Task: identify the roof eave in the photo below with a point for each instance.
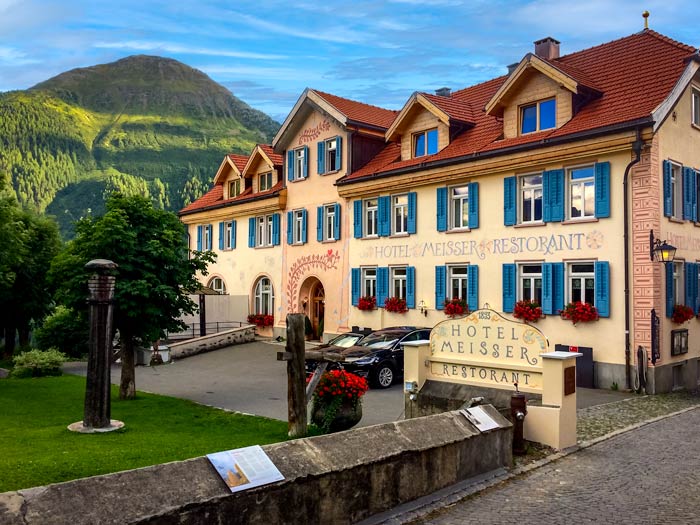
(229, 203)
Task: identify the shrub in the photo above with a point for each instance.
(65, 330)
(37, 363)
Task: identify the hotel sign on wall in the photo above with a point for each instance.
(486, 349)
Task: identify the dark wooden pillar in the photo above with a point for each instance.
(202, 315)
(296, 376)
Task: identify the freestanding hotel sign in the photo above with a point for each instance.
(486, 349)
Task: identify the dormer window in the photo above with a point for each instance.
(425, 143)
(234, 188)
(265, 181)
(538, 116)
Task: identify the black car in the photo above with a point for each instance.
(337, 345)
(379, 356)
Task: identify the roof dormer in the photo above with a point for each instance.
(427, 123)
(540, 93)
(263, 168)
(230, 175)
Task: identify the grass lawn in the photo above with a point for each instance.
(38, 449)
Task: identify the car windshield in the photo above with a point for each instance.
(380, 340)
(345, 340)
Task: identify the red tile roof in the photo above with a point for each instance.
(276, 158)
(214, 198)
(359, 111)
(635, 74)
(455, 109)
(238, 160)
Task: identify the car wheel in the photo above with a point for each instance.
(383, 377)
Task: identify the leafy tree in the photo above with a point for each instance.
(153, 279)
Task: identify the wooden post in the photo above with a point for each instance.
(296, 376)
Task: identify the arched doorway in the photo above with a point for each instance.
(313, 300)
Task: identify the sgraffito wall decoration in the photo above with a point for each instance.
(300, 269)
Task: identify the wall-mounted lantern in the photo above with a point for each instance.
(660, 251)
(423, 308)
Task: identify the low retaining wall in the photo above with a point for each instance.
(339, 478)
(235, 336)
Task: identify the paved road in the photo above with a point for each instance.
(248, 378)
(647, 476)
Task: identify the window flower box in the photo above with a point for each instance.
(368, 302)
(682, 313)
(455, 306)
(394, 304)
(528, 311)
(261, 320)
(579, 312)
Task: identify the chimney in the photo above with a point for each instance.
(547, 48)
(443, 92)
(512, 67)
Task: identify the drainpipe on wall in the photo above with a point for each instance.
(637, 147)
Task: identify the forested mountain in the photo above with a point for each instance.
(146, 125)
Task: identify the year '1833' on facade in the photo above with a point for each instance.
(526, 187)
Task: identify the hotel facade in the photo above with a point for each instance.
(542, 185)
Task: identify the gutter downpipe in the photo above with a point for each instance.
(637, 147)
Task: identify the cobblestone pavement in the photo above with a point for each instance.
(648, 475)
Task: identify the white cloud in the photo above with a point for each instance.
(11, 56)
(144, 45)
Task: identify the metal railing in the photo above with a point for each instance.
(194, 330)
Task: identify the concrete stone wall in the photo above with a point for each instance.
(339, 478)
(206, 343)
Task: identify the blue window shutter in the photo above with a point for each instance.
(384, 206)
(556, 193)
(442, 209)
(290, 225)
(303, 226)
(510, 189)
(336, 227)
(251, 232)
(558, 284)
(695, 305)
(319, 224)
(602, 189)
(412, 212)
(509, 286)
(305, 171)
(321, 158)
(473, 287)
(338, 152)
(689, 288)
(221, 236)
(687, 199)
(696, 209)
(382, 285)
(355, 277)
(357, 218)
(546, 199)
(200, 234)
(547, 293)
(411, 287)
(473, 205)
(440, 287)
(602, 288)
(670, 299)
(234, 225)
(668, 195)
(210, 236)
(276, 229)
(290, 165)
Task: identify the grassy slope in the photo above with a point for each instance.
(37, 449)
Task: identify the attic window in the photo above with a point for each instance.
(425, 143)
(538, 116)
(234, 188)
(695, 96)
(265, 181)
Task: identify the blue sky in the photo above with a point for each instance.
(267, 52)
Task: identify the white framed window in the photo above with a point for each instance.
(371, 217)
(234, 188)
(695, 106)
(538, 116)
(530, 282)
(581, 282)
(425, 143)
(228, 230)
(398, 282)
(264, 297)
(676, 191)
(299, 163)
(459, 206)
(678, 282)
(581, 192)
(207, 237)
(530, 190)
(329, 222)
(218, 285)
(264, 231)
(457, 282)
(297, 226)
(331, 159)
(399, 214)
(369, 282)
(265, 181)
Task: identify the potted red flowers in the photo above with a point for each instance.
(578, 312)
(682, 313)
(455, 306)
(337, 403)
(368, 302)
(528, 311)
(394, 304)
(261, 320)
